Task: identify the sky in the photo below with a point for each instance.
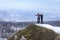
(25, 10)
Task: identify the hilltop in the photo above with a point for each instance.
(33, 32)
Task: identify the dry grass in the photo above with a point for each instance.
(33, 32)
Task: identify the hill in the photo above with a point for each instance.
(33, 32)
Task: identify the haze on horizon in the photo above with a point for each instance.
(25, 10)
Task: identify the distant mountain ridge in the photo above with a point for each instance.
(53, 23)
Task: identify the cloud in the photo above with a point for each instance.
(21, 6)
(26, 9)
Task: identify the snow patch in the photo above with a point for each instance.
(54, 28)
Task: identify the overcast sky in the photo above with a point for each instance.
(25, 10)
